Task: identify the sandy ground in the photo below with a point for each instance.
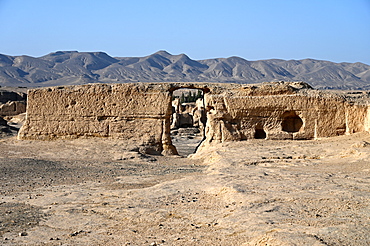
(257, 192)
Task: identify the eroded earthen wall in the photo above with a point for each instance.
(140, 113)
(12, 108)
(239, 114)
(136, 112)
(125, 111)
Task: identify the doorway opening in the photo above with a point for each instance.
(188, 120)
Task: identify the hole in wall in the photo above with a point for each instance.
(341, 130)
(188, 120)
(101, 118)
(260, 134)
(291, 122)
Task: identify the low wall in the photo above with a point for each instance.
(12, 103)
(140, 113)
(12, 108)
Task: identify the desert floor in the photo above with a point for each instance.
(255, 192)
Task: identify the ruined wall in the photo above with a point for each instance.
(12, 103)
(134, 112)
(140, 113)
(275, 111)
(12, 108)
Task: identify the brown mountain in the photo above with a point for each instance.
(72, 67)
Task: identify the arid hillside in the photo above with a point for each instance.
(72, 67)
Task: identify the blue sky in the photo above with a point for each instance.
(334, 30)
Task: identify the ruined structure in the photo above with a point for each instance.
(12, 103)
(140, 113)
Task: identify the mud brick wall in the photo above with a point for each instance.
(141, 112)
(133, 112)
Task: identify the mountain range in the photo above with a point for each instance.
(73, 67)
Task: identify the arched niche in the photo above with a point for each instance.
(259, 133)
(291, 122)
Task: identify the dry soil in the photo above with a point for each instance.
(256, 192)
